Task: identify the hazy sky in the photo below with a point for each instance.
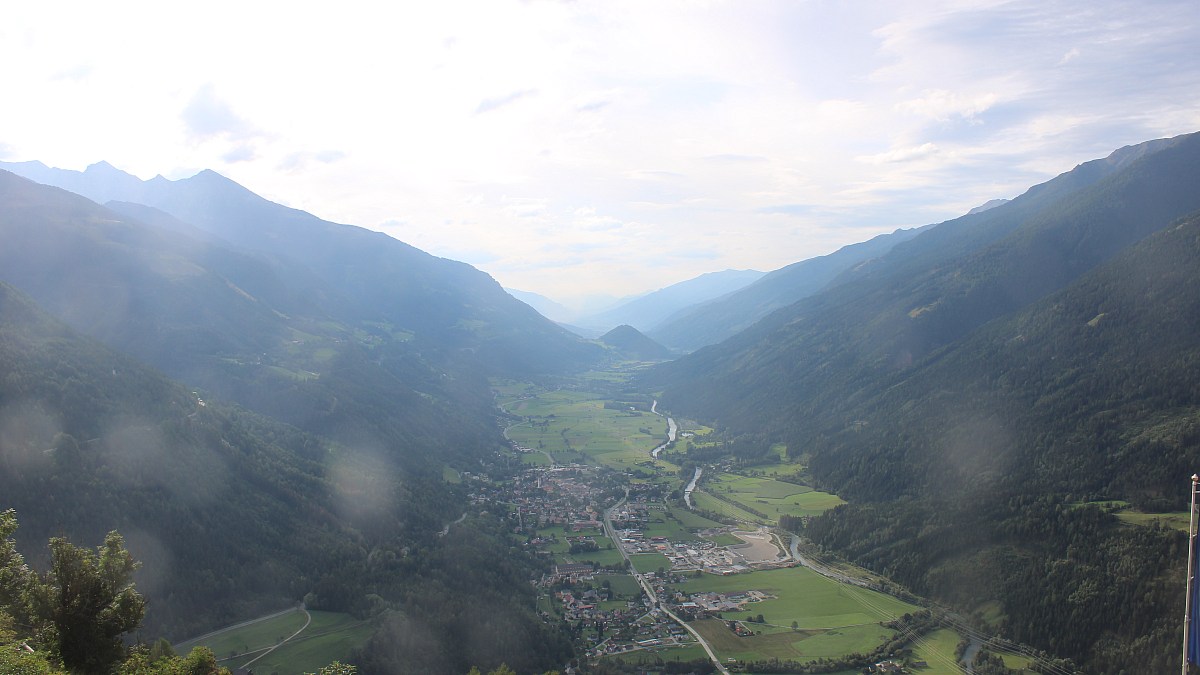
(572, 147)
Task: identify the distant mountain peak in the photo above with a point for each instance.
(631, 343)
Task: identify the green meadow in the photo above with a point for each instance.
(765, 495)
(831, 619)
(329, 636)
(570, 424)
(1177, 521)
(649, 562)
(799, 645)
(803, 596)
(937, 650)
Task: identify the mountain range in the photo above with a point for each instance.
(647, 311)
(705, 323)
(365, 364)
(969, 390)
(266, 403)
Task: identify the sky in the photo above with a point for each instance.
(607, 147)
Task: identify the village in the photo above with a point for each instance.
(589, 582)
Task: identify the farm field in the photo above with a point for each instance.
(623, 585)
(769, 496)
(649, 562)
(803, 596)
(794, 645)
(601, 557)
(571, 424)
(329, 636)
(831, 619)
(707, 502)
(937, 649)
(255, 635)
(692, 520)
(1176, 521)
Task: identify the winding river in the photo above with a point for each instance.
(687, 492)
(672, 430)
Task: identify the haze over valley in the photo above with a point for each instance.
(582, 338)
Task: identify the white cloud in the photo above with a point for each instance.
(490, 104)
(1071, 55)
(908, 154)
(207, 115)
(573, 146)
(942, 105)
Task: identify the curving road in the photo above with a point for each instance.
(307, 621)
(649, 590)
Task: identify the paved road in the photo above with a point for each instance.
(612, 534)
(307, 621)
(446, 530)
(517, 424)
(821, 569)
(236, 626)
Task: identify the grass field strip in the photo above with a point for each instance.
(307, 622)
(966, 630)
(192, 642)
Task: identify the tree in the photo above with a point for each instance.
(338, 668)
(14, 574)
(200, 661)
(86, 602)
(14, 659)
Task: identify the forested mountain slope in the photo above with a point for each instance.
(630, 343)
(241, 327)
(91, 440)
(791, 368)
(970, 390)
(1091, 394)
(444, 304)
(711, 322)
(648, 311)
(233, 514)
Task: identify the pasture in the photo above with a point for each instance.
(831, 619)
(331, 636)
(570, 424)
(765, 495)
(798, 645)
(328, 637)
(803, 596)
(937, 649)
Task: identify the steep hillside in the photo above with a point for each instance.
(972, 389)
(630, 343)
(1089, 395)
(240, 327)
(234, 515)
(707, 323)
(793, 366)
(648, 311)
(545, 306)
(444, 304)
(91, 440)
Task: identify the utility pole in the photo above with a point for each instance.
(1191, 579)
